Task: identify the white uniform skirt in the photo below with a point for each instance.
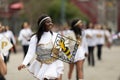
(49, 71)
(80, 54)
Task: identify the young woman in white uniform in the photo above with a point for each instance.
(12, 38)
(44, 67)
(24, 36)
(9, 35)
(82, 49)
(3, 67)
(90, 37)
(4, 34)
(100, 40)
(1, 36)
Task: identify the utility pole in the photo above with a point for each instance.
(63, 11)
(6, 11)
(101, 11)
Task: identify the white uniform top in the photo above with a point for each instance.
(10, 36)
(49, 71)
(46, 38)
(100, 37)
(90, 37)
(24, 36)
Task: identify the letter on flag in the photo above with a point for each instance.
(5, 45)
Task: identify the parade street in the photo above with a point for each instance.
(106, 69)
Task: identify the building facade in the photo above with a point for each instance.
(106, 12)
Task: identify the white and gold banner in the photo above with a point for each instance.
(65, 48)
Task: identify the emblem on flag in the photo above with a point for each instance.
(5, 45)
(65, 48)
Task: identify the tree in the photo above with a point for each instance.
(32, 10)
(71, 11)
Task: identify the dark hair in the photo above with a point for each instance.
(75, 28)
(22, 26)
(41, 27)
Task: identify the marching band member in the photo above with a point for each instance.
(12, 38)
(100, 39)
(44, 67)
(4, 36)
(24, 36)
(90, 37)
(3, 67)
(76, 27)
(9, 35)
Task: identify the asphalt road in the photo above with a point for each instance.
(106, 69)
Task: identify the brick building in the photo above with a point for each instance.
(101, 11)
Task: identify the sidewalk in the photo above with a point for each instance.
(106, 69)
